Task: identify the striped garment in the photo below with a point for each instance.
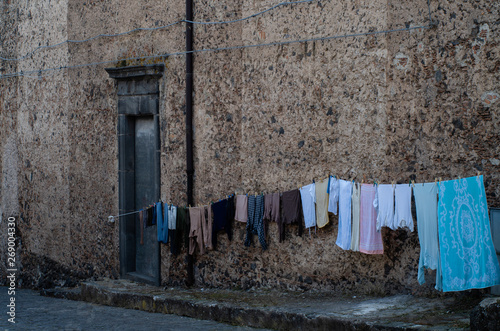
(255, 223)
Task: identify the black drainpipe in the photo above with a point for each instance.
(189, 123)
(189, 101)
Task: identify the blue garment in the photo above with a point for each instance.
(333, 189)
(468, 258)
(162, 227)
(308, 198)
(159, 218)
(427, 222)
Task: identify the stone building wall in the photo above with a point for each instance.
(419, 104)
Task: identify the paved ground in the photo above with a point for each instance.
(125, 305)
(35, 312)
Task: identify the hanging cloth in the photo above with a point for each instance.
(197, 217)
(291, 212)
(171, 225)
(230, 210)
(333, 194)
(179, 232)
(344, 232)
(185, 225)
(370, 240)
(172, 217)
(141, 225)
(426, 204)
(207, 227)
(468, 256)
(384, 205)
(402, 208)
(308, 197)
(219, 210)
(356, 192)
(241, 212)
(255, 223)
(153, 210)
(148, 220)
(321, 203)
(161, 223)
(268, 206)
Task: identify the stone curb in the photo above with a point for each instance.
(215, 311)
(486, 316)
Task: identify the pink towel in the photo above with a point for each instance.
(370, 241)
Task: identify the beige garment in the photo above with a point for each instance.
(197, 217)
(207, 227)
(241, 212)
(322, 203)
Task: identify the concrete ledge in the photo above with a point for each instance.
(216, 311)
(63, 293)
(282, 311)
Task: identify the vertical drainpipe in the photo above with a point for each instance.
(189, 101)
(189, 123)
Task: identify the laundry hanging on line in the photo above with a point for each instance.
(362, 236)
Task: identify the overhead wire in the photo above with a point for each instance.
(278, 43)
(40, 71)
(153, 29)
(253, 15)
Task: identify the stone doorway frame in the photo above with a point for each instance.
(138, 95)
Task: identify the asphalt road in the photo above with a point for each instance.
(34, 312)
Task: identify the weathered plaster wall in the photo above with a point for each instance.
(9, 188)
(398, 106)
(381, 107)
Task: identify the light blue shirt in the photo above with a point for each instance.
(345, 196)
(427, 223)
(308, 198)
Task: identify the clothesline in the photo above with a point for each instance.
(452, 218)
(111, 218)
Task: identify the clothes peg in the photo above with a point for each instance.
(459, 179)
(413, 183)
